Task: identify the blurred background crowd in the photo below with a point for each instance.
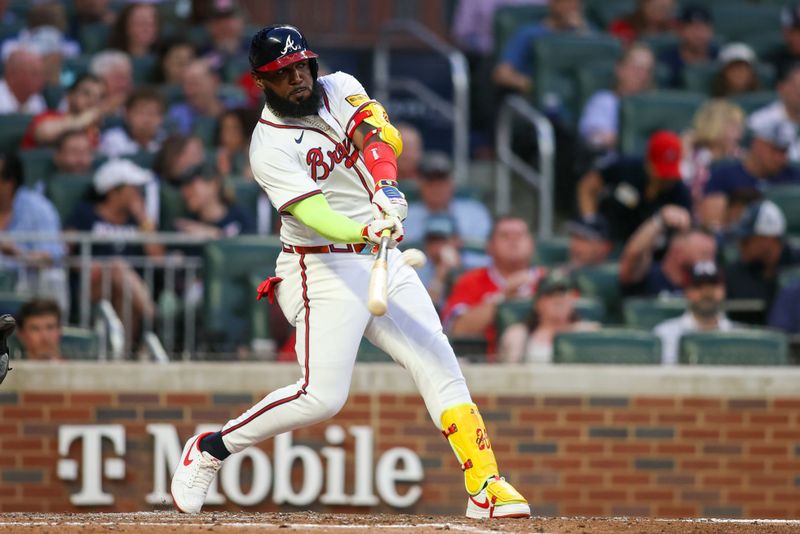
(676, 187)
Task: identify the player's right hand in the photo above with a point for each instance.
(372, 231)
(389, 201)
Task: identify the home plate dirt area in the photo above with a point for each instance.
(221, 522)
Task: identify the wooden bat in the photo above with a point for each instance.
(377, 297)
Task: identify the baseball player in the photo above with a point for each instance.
(326, 155)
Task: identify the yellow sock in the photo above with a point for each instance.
(463, 427)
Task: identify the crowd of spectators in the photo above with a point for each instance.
(143, 105)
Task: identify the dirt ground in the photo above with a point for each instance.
(223, 523)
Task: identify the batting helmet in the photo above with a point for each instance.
(276, 46)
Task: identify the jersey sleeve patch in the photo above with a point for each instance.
(357, 100)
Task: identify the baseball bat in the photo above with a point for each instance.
(377, 297)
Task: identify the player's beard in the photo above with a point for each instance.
(283, 107)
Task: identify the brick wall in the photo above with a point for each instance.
(570, 455)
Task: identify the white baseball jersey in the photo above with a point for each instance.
(296, 158)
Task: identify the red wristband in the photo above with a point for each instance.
(380, 161)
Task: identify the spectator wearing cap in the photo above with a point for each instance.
(788, 55)
(142, 129)
(639, 271)
(86, 107)
(695, 46)
(627, 191)
(553, 313)
(437, 195)
(599, 122)
(735, 184)
(23, 82)
(705, 296)
(763, 251)
(785, 108)
(117, 208)
(226, 28)
(737, 74)
(38, 264)
(472, 305)
(589, 242)
(442, 249)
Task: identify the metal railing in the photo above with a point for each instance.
(457, 112)
(508, 162)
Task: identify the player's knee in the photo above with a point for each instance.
(327, 405)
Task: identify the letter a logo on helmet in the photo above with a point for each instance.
(277, 46)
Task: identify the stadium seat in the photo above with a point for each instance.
(641, 115)
(601, 282)
(509, 19)
(171, 207)
(12, 301)
(12, 128)
(75, 67)
(607, 346)
(519, 311)
(594, 77)
(79, 344)
(246, 196)
(644, 313)
(205, 128)
(93, 37)
(750, 102)
(604, 12)
(172, 93)
(227, 286)
(8, 279)
(234, 69)
(740, 347)
(232, 94)
(660, 43)
(736, 21)
(37, 165)
(787, 197)
(590, 309)
(700, 77)
(553, 251)
(144, 69)
(555, 63)
(66, 191)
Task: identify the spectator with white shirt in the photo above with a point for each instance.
(23, 83)
(705, 296)
(786, 108)
(142, 131)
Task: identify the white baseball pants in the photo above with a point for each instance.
(325, 297)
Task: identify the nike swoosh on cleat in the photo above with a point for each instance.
(300, 139)
(484, 504)
(186, 460)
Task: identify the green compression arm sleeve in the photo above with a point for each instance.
(316, 213)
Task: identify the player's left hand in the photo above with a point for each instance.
(372, 231)
(389, 201)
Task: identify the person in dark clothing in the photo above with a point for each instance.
(696, 31)
(788, 55)
(630, 190)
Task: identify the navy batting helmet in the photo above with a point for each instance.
(276, 46)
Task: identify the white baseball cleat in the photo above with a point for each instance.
(498, 499)
(193, 476)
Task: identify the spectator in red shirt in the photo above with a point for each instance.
(85, 110)
(470, 310)
(650, 17)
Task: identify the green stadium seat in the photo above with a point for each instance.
(700, 78)
(601, 282)
(369, 353)
(660, 43)
(171, 207)
(228, 286)
(787, 197)
(12, 301)
(79, 344)
(142, 158)
(509, 19)
(736, 21)
(144, 69)
(172, 93)
(205, 128)
(518, 311)
(66, 191)
(751, 102)
(234, 69)
(94, 37)
(607, 346)
(37, 165)
(232, 93)
(740, 347)
(642, 115)
(76, 66)
(246, 196)
(12, 128)
(53, 95)
(555, 63)
(259, 311)
(8, 279)
(594, 77)
(551, 252)
(604, 12)
(646, 313)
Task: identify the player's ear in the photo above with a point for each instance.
(258, 80)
